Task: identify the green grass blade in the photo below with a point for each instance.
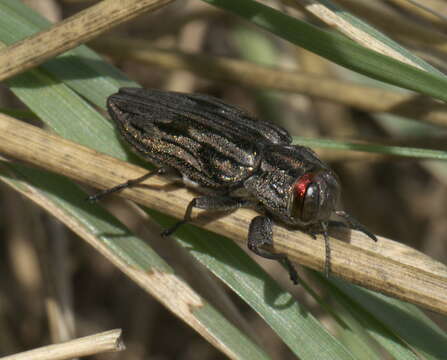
(379, 36)
(72, 118)
(404, 320)
(361, 320)
(373, 148)
(19, 113)
(338, 48)
(77, 68)
(296, 326)
(130, 250)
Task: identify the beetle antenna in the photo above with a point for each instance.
(354, 224)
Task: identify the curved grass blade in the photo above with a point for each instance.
(134, 257)
(338, 49)
(373, 148)
(296, 326)
(78, 68)
(399, 318)
(378, 36)
(362, 320)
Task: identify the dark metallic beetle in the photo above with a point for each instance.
(235, 160)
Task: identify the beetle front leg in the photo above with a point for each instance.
(209, 202)
(260, 236)
(327, 247)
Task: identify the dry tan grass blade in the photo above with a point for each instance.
(385, 266)
(70, 33)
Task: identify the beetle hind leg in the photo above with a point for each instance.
(127, 184)
(260, 238)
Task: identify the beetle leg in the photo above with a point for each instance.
(260, 237)
(209, 202)
(327, 247)
(128, 183)
(354, 224)
(322, 229)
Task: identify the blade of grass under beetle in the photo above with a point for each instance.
(133, 256)
(59, 92)
(19, 113)
(54, 94)
(403, 319)
(338, 49)
(360, 318)
(296, 326)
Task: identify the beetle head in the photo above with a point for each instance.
(314, 197)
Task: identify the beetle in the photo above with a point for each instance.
(233, 160)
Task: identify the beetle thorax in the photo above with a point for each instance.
(294, 186)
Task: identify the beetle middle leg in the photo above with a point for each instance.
(209, 202)
(260, 236)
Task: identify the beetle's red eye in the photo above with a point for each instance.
(306, 198)
(301, 185)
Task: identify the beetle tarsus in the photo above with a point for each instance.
(173, 229)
